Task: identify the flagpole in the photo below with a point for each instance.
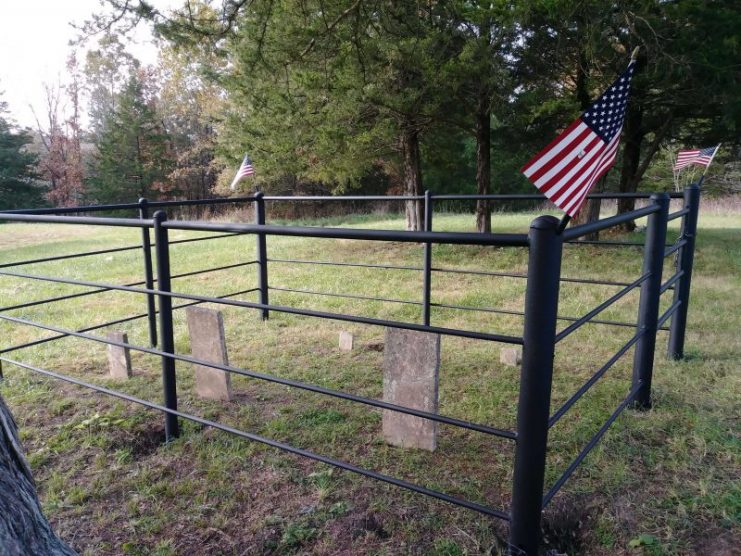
(710, 162)
(563, 223)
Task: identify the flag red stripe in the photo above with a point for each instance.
(568, 149)
(569, 190)
(566, 176)
(544, 156)
(603, 164)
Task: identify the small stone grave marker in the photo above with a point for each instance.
(208, 343)
(347, 341)
(511, 356)
(119, 358)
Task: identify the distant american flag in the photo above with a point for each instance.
(246, 169)
(567, 169)
(703, 157)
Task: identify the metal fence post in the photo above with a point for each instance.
(167, 340)
(427, 271)
(685, 262)
(262, 254)
(648, 307)
(148, 274)
(533, 410)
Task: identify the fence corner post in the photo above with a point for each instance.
(427, 267)
(167, 340)
(536, 374)
(685, 262)
(148, 273)
(648, 307)
(262, 255)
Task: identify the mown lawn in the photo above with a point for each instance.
(664, 481)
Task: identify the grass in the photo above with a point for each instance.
(661, 482)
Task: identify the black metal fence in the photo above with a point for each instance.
(539, 338)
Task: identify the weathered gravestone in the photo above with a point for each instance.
(411, 365)
(119, 358)
(347, 341)
(511, 356)
(208, 343)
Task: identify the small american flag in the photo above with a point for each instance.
(703, 157)
(567, 169)
(246, 169)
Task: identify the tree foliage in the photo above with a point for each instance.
(133, 157)
(456, 95)
(18, 187)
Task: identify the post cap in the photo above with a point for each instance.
(545, 222)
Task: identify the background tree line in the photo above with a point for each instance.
(385, 96)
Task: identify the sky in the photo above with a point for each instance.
(34, 46)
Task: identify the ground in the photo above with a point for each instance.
(663, 481)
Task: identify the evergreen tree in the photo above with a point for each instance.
(18, 188)
(133, 156)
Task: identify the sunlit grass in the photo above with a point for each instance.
(111, 487)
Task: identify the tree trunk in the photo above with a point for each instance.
(483, 129)
(483, 162)
(412, 178)
(23, 527)
(629, 177)
(590, 212)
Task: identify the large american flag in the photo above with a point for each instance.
(567, 169)
(246, 169)
(703, 157)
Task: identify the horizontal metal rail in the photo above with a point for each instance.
(670, 282)
(107, 289)
(678, 214)
(588, 448)
(676, 247)
(301, 198)
(359, 265)
(454, 238)
(87, 220)
(594, 378)
(669, 312)
(442, 305)
(206, 270)
(599, 308)
(524, 275)
(72, 256)
(277, 380)
(192, 239)
(606, 223)
(521, 313)
(117, 321)
(541, 197)
(448, 270)
(72, 210)
(344, 295)
(494, 512)
(201, 202)
(130, 206)
(64, 297)
(282, 309)
(605, 242)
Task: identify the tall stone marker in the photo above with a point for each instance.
(207, 342)
(411, 364)
(119, 358)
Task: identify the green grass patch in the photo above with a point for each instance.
(661, 482)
